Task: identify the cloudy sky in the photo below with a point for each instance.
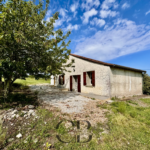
(114, 31)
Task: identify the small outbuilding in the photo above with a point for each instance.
(97, 77)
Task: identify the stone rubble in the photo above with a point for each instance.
(14, 113)
(19, 135)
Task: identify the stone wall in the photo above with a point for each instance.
(102, 76)
(108, 81)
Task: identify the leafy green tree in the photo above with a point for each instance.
(28, 44)
(146, 82)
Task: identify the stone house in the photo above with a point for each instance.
(97, 77)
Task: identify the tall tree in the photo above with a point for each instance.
(28, 44)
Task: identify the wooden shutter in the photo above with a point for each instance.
(79, 84)
(59, 80)
(93, 78)
(63, 79)
(70, 83)
(84, 78)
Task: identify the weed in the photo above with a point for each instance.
(47, 146)
(132, 102)
(98, 105)
(21, 114)
(93, 98)
(2, 135)
(145, 100)
(122, 107)
(92, 112)
(113, 98)
(133, 114)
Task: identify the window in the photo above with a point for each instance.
(61, 79)
(73, 61)
(73, 68)
(89, 78)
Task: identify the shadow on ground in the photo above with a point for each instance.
(20, 97)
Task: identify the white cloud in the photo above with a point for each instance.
(72, 27)
(89, 14)
(107, 4)
(115, 5)
(59, 22)
(63, 12)
(147, 12)
(63, 18)
(124, 37)
(48, 14)
(125, 5)
(74, 8)
(88, 4)
(108, 13)
(69, 19)
(98, 22)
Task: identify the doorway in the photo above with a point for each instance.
(75, 83)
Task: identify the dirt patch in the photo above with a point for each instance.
(90, 113)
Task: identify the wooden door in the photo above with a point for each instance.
(79, 83)
(70, 83)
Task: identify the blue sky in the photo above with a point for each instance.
(114, 31)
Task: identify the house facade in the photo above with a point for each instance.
(93, 76)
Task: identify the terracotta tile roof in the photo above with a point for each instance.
(106, 64)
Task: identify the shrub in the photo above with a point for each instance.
(146, 84)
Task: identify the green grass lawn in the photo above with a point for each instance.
(32, 81)
(129, 127)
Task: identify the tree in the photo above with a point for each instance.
(146, 82)
(28, 44)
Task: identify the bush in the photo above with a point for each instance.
(146, 84)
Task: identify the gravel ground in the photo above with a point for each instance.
(68, 102)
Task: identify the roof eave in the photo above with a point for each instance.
(107, 64)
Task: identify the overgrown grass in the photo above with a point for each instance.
(40, 130)
(2, 134)
(132, 102)
(129, 128)
(146, 100)
(44, 131)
